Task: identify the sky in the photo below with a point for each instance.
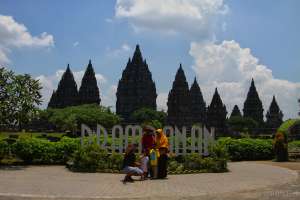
(223, 43)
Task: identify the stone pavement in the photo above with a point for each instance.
(246, 180)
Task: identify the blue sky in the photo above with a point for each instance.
(103, 32)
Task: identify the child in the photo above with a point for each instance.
(144, 163)
(154, 154)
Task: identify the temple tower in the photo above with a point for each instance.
(236, 112)
(274, 115)
(136, 89)
(66, 93)
(253, 107)
(198, 105)
(179, 102)
(216, 114)
(89, 91)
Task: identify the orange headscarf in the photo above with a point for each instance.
(161, 139)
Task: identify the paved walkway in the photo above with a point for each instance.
(56, 182)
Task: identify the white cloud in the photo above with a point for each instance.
(75, 44)
(231, 67)
(161, 101)
(123, 50)
(108, 97)
(192, 17)
(50, 83)
(16, 35)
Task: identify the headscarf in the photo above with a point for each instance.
(161, 139)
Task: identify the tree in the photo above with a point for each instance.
(6, 85)
(28, 97)
(241, 124)
(20, 96)
(71, 118)
(147, 115)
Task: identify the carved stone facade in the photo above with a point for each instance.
(89, 91)
(179, 102)
(136, 89)
(66, 93)
(216, 114)
(198, 105)
(253, 107)
(274, 115)
(236, 112)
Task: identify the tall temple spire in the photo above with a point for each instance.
(274, 115)
(136, 89)
(253, 107)
(198, 105)
(89, 91)
(216, 114)
(66, 93)
(236, 112)
(137, 58)
(179, 101)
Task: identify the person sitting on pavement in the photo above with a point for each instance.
(130, 166)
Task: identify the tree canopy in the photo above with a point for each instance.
(19, 97)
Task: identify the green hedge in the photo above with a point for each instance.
(40, 151)
(294, 146)
(3, 149)
(248, 149)
(91, 158)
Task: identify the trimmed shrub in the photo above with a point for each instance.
(115, 161)
(40, 151)
(90, 158)
(295, 145)
(3, 149)
(248, 149)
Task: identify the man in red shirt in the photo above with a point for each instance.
(148, 139)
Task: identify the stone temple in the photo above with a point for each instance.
(179, 101)
(136, 89)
